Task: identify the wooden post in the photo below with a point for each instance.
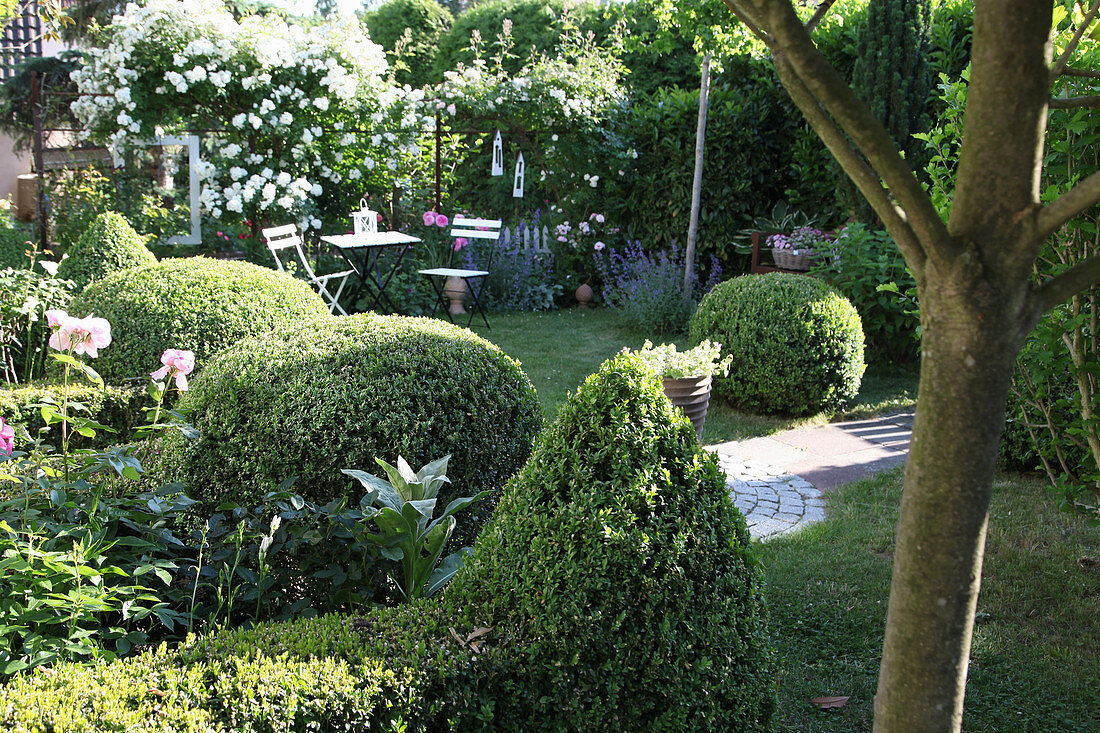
(697, 183)
(39, 164)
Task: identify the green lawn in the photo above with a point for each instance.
(559, 349)
(1034, 665)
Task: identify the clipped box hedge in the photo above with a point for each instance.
(118, 407)
(199, 304)
(797, 343)
(336, 393)
(108, 245)
(613, 590)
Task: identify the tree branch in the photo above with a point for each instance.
(1088, 73)
(819, 15)
(1083, 195)
(749, 23)
(866, 180)
(1086, 102)
(1060, 64)
(828, 88)
(1062, 287)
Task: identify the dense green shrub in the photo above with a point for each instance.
(615, 589)
(425, 20)
(749, 128)
(110, 244)
(198, 304)
(13, 247)
(797, 344)
(863, 259)
(536, 26)
(122, 408)
(654, 58)
(618, 577)
(310, 400)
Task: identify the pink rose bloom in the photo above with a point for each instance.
(7, 438)
(441, 221)
(460, 242)
(429, 218)
(80, 335)
(177, 363)
(450, 109)
(597, 246)
(599, 218)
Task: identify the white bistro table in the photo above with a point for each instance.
(361, 252)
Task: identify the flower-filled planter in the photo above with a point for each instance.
(687, 376)
(800, 249)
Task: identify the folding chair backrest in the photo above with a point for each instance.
(281, 239)
(483, 229)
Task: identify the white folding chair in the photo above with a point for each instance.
(281, 239)
(461, 226)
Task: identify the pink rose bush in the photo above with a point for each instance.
(78, 335)
(432, 219)
(7, 438)
(177, 364)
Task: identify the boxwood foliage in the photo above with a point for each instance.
(312, 399)
(199, 304)
(109, 245)
(797, 344)
(618, 576)
(119, 407)
(615, 589)
(13, 247)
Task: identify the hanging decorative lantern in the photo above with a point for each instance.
(364, 221)
(498, 155)
(517, 182)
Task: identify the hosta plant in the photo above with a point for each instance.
(406, 532)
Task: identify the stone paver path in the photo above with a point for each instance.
(777, 481)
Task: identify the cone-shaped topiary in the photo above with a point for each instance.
(797, 343)
(617, 577)
(110, 244)
(613, 590)
(199, 304)
(337, 393)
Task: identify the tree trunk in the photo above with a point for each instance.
(697, 181)
(971, 336)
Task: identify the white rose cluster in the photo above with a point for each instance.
(277, 91)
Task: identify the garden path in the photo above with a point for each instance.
(778, 481)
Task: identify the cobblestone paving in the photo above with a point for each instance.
(772, 501)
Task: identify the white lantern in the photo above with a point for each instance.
(364, 221)
(517, 182)
(498, 155)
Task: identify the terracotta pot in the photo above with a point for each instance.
(584, 295)
(456, 290)
(692, 395)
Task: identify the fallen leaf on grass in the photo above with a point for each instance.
(830, 702)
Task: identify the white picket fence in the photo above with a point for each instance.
(535, 241)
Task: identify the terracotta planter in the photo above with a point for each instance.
(584, 295)
(692, 395)
(456, 291)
